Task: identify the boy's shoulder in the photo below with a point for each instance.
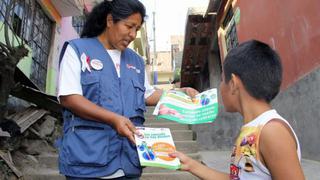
(264, 118)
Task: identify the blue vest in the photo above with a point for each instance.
(94, 149)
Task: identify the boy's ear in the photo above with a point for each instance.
(109, 20)
(234, 83)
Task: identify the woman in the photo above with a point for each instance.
(103, 87)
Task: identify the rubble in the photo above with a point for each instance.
(37, 131)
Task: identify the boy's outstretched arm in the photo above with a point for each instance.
(198, 169)
(279, 151)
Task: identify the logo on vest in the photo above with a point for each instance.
(85, 62)
(96, 64)
(129, 66)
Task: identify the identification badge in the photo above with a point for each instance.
(129, 66)
(96, 64)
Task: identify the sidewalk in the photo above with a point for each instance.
(220, 160)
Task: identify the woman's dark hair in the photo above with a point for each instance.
(258, 66)
(119, 9)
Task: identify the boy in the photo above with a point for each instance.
(267, 147)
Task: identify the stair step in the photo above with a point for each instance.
(50, 174)
(174, 175)
(309, 167)
(172, 126)
(148, 113)
(48, 160)
(187, 146)
(152, 119)
(183, 135)
(51, 161)
(150, 109)
(149, 116)
(183, 138)
(41, 174)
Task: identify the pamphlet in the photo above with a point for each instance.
(154, 146)
(178, 106)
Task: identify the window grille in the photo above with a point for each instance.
(32, 25)
(78, 23)
(229, 26)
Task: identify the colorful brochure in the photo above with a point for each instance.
(177, 106)
(154, 146)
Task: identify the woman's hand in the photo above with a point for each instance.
(190, 91)
(125, 127)
(88, 110)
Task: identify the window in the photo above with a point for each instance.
(39, 40)
(3, 7)
(78, 23)
(228, 18)
(231, 36)
(203, 41)
(231, 31)
(35, 28)
(16, 24)
(228, 32)
(192, 41)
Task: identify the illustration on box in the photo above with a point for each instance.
(154, 146)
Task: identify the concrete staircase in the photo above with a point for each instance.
(183, 137)
(184, 140)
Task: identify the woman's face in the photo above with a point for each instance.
(122, 33)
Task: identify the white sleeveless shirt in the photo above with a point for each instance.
(245, 160)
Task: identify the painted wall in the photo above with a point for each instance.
(51, 81)
(165, 77)
(289, 26)
(67, 32)
(63, 32)
(55, 16)
(292, 28)
(300, 105)
(163, 61)
(140, 45)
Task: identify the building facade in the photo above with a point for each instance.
(291, 28)
(48, 25)
(41, 25)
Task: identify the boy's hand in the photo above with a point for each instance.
(187, 163)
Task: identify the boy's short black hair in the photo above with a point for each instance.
(258, 66)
